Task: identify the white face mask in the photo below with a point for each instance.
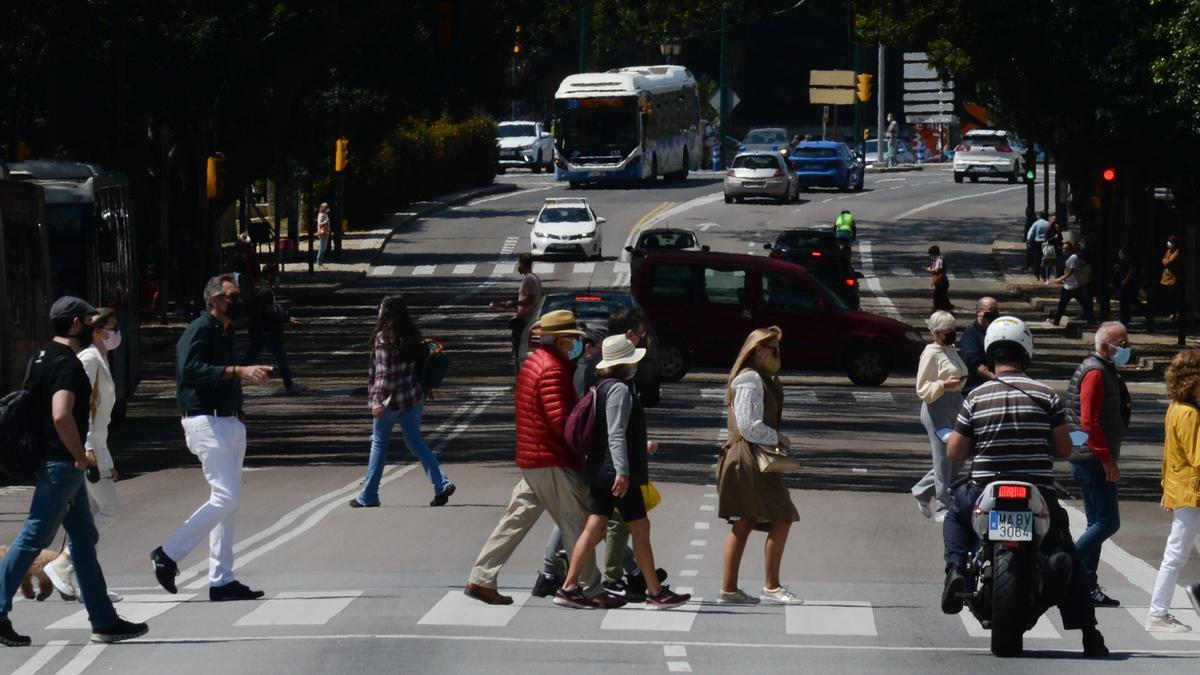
(112, 340)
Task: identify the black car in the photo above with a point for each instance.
(661, 239)
(818, 252)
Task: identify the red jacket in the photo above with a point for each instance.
(544, 399)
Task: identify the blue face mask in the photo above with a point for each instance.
(576, 350)
(1122, 355)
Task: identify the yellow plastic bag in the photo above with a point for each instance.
(650, 495)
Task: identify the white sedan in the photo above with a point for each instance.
(565, 226)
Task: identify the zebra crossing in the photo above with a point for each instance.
(500, 269)
(807, 395)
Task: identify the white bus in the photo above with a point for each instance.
(627, 124)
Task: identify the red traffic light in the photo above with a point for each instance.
(1109, 175)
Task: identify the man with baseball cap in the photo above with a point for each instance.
(551, 474)
(60, 396)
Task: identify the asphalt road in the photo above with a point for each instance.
(380, 590)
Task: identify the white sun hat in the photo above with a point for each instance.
(617, 350)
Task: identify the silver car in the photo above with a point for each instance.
(760, 174)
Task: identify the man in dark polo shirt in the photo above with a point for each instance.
(61, 394)
(970, 347)
(209, 392)
(1014, 427)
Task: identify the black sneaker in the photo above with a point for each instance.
(607, 600)
(10, 637)
(1093, 644)
(234, 590)
(637, 582)
(545, 585)
(165, 570)
(574, 599)
(119, 630)
(956, 584)
(621, 589)
(444, 498)
(666, 599)
(1101, 599)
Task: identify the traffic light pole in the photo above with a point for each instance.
(858, 125)
(723, 86)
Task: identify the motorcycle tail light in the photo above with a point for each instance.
(816, 254)
(851, 282)
(1012, 492)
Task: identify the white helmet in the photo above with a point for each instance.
(1005, 329)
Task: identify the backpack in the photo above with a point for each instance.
(584, 436)
(20, 450)
(434, 366)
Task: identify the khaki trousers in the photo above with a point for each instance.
(561, 492)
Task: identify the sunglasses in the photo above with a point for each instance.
(774, 349)
(232, 297)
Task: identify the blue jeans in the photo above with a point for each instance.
(322, 250)
(1103, 514)
(59, 500)
(381, 442)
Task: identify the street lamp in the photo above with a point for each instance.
(670, 49)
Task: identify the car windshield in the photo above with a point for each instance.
(667, 240)
(564, 214)
(805, 238)
(986, 141)
(517, 130)
(764, 136)
(755, 162)
(815, 152)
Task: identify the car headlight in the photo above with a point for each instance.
(591, 235)
(913, 336)
(539, 235)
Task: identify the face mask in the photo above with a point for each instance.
(576, 350)
(236, 310)
(951, 337)
(112, 341)
(991, 316)
(772, 364)
(632, 374)
(1122, 355)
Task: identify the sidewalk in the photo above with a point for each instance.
(1065, 345)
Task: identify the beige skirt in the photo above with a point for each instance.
(745, 492)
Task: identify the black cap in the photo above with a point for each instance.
(69, 307)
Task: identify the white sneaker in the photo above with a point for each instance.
(112, 597)
(736, 597)
(1166, 624)
(923, 505)
(780, 595)
(940, 516)
(61, 571)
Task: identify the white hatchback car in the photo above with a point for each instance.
(565, 226)
(988, 153)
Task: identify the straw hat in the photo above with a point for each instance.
(559, 323)
(618, 350)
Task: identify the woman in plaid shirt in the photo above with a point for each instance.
(395, 394)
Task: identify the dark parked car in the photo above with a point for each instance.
(818, 252)
(826, 164)
(592, 309)
(704, 304)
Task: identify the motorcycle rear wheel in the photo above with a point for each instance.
(1008, 602)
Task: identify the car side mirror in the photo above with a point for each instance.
(705, 248)
(769, 247)
(544, 134)
(529, 220)
(601, 221)
(629, 248)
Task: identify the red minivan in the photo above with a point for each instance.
(703, 305)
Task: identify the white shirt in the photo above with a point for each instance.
(748, 409)
(104, 396)
(1071, 269)
(938, 364)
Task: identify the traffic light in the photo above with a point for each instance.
(517, 40)
(1031, 173)
(1109, 175)
(214, 175)
(864, 87)
(341, 154)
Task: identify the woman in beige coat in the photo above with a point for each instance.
(749, 498)
(940, 377)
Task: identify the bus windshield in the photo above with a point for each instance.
(608, 133)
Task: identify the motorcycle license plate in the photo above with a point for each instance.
(1010, 526)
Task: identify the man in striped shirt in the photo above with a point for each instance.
(1015, 427)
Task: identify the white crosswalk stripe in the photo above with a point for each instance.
(543, 268)
(456, 609)
(313, 608)
(135, 608)
(424, 270)
(638, 618)
(466, 268)
(1043, 628)
(584, 268)
(830, 618)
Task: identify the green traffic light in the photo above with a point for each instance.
(1029, 175)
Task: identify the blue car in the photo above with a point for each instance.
(826, 164)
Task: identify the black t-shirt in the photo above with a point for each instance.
(56, 368)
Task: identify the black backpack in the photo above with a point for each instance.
(21, 451)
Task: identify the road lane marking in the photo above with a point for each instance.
(465, 268)
(831, 618)
(889, 180)
(695, 556)
(424, 270)
(83, 660)
(679, 667)
(689, 573)
(43, 656)
(701, 525)
(456, 609)
(707, 507)
(1043, 629)
(698, 542)
(543, 268)
(932, 205)
(903, 272)
(301, 608)
(584, 268)
(873, 396)
(641, 222)
(383, 271)
(135, 608)
(679, 619)
(504, 269)
(506, 195)
(674, 651)
(872, 282)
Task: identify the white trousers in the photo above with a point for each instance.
(102, 496)
(220, 445)
(1185, 533)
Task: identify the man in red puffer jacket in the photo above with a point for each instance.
(551, 479)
